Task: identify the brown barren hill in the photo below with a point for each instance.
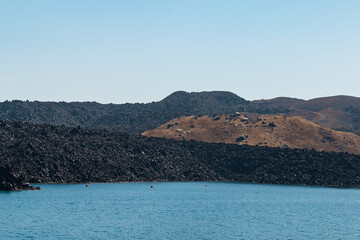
(265, 130)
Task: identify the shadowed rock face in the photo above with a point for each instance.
(10, 182)
(45, 153)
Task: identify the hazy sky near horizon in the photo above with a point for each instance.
(143, 50)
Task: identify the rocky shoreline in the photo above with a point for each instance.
(58, 154)
(10, 182)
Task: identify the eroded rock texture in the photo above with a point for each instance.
(45, 153)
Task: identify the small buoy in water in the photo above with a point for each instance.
(205, 185)
(86, 185)
(151, 186)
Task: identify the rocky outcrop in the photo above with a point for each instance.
(10, 182)
(45, 154)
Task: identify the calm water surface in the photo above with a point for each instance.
(180, 211)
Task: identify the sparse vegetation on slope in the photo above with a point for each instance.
(264, 130)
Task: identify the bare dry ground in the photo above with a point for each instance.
(264, 130)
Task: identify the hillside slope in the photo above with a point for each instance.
(45, 153)
(334, 102)
(339, 112)
(336, 112)
(132, 118)
(265, 130)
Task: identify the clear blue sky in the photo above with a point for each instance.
(142, 50)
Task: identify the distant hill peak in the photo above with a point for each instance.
(281, 101)
(208, 96)
(335, 102)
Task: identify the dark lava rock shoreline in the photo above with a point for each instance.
(59, 154)
(10, 182)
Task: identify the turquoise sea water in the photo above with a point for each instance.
(180, 211)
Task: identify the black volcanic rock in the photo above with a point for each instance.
(10, 182)
(204, 101)
(46, 153)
